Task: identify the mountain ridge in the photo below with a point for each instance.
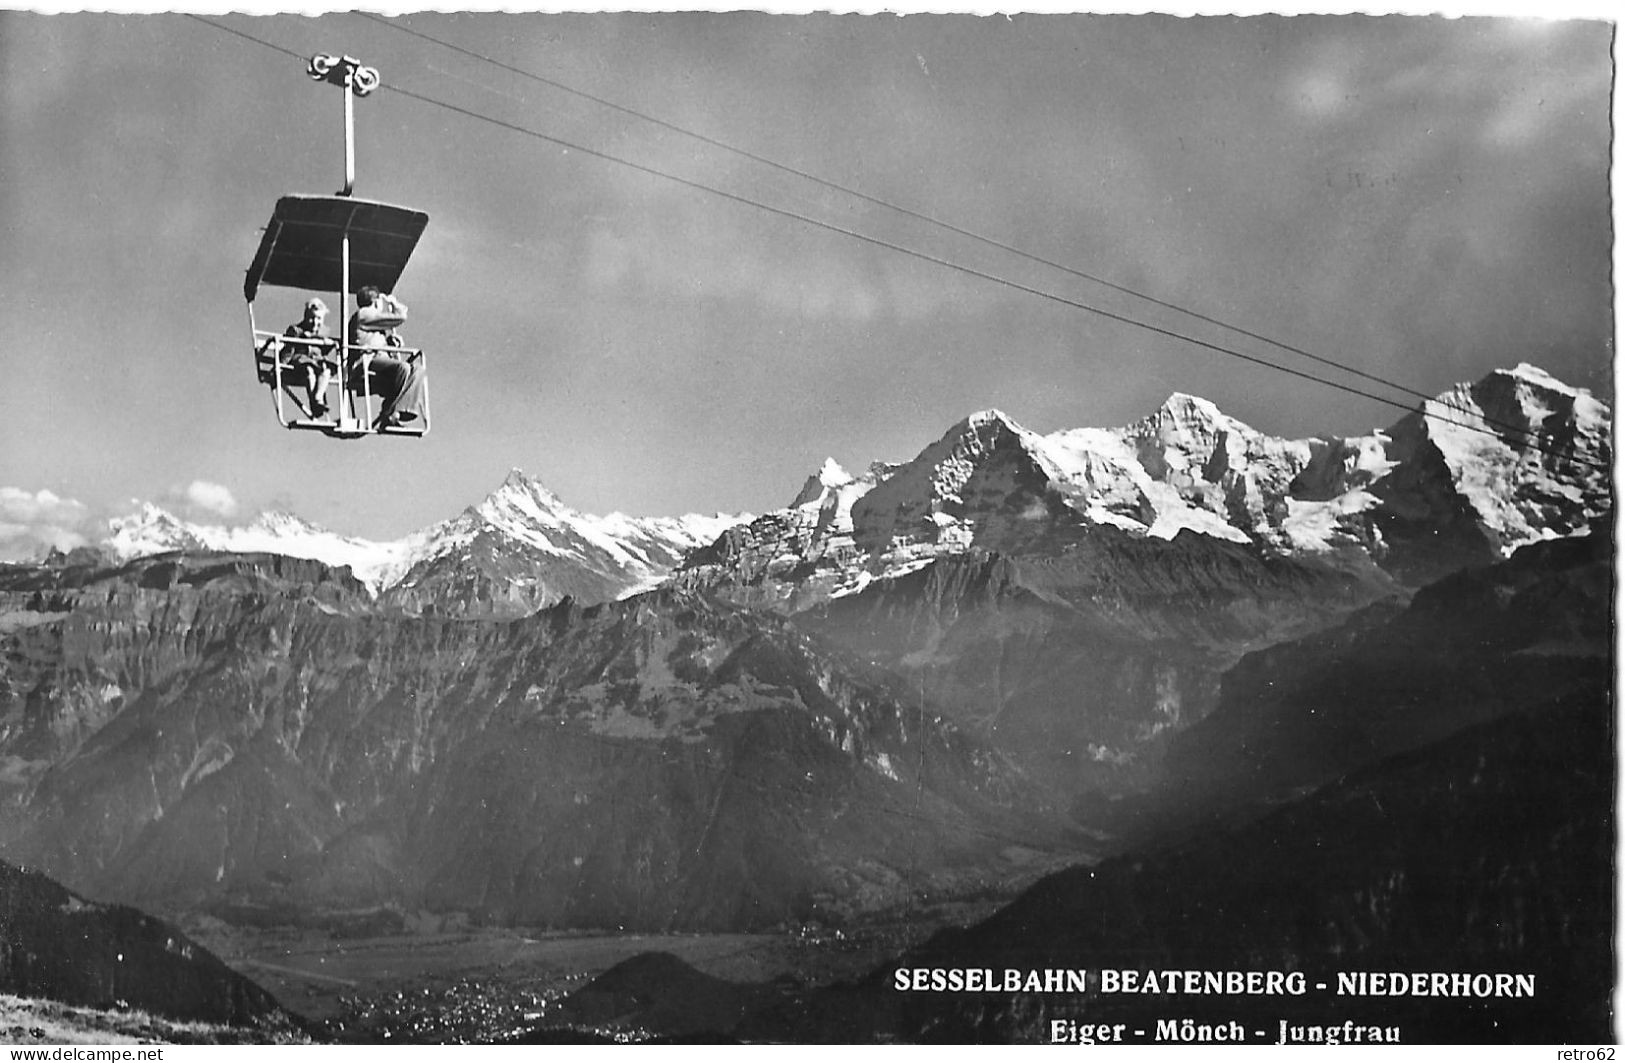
(1413, 500)
(519, 549)
(1459, 486)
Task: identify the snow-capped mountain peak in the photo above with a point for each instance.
(1180, 407)
(992, 416)
(521, 493)
(1528, 455)
(152, 530)
(1187, 430)
(1534, 374)
(522, 505)
(937, 477)
(527, 546)
(277, 522)
(149, 530)
(831, 475)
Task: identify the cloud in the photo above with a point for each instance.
(200, 498)
(33, 522)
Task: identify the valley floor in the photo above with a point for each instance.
(471, 985)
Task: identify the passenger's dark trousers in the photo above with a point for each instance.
(398, 382)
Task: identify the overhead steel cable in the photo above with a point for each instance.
(246, 36)
(879, 242)
(396, 24)
(1534, 441)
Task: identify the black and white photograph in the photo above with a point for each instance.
(806, 527)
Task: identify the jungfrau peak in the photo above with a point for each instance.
(1528, 455)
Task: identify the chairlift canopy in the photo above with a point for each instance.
(302, 244)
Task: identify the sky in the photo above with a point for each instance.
(1424, 199)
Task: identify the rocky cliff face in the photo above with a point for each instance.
(1083, 663)
(231, 733)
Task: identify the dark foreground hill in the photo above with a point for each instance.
(1478, 838)
(57, 945)
(1488, 853)
(1472, 647)
(654, 995)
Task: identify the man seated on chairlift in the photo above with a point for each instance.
(397, 380)
(310, 359)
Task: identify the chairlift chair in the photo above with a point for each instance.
(322, 245)
(326, 244)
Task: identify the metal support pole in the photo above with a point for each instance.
(363, 362)
(346, 421)
(356, 80)
(349, 133)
